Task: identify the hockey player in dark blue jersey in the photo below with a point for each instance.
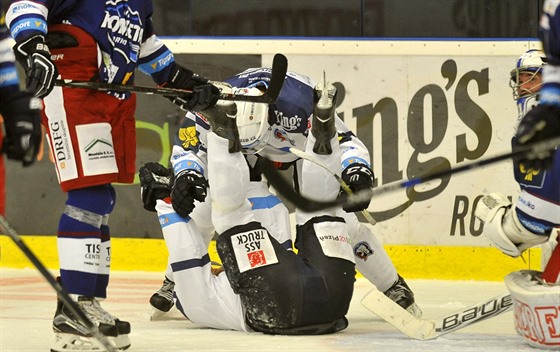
(92, 133)
(20, 112)
(534, 218)
(269, 130)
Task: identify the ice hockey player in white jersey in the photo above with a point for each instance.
(266, 287)
(268, 131)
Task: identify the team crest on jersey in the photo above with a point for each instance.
(253, 249)
(188, 137)
(529, 177)
(363, 250)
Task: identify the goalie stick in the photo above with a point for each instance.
(427, 329)
(278, 73)
(308, 204)
(92, 329)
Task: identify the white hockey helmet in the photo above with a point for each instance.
(252, 122)
(531, 62)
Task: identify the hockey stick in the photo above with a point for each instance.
(90, 328)
(424, 329)
(308, 204)
(303, 155)
(278, 73)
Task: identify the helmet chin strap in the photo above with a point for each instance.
(260, 144)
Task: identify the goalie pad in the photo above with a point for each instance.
(503, 228)
(536, 308)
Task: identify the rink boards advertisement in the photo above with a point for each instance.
(418, 106)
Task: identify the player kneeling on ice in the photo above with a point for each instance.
(534, 219)
(266, 288)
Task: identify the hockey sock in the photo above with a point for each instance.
(79, 238)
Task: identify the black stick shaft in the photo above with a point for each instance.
(62, 293)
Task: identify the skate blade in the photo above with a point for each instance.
(69, 342)
(172, 314)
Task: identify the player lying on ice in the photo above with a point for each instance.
(270, 131)
(265, 287)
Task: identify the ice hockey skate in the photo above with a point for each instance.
(401, 294)
(73, 335)
(162, 300)
(323, 116)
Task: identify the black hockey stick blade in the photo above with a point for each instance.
(279, 68)
(91, 329)
(308, 204)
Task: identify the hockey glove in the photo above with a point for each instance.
(204, 94)
(539, 124)
(34, 55)
(358, 177)
(155, 182)
(189, 186)
(22, 118)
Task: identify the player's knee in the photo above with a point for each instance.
(91, 205)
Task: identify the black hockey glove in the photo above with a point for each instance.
(358, 177)
(189, 186)
(22, 119)
(41, 73)
(204, 94)
(155, 182)
(539, 124)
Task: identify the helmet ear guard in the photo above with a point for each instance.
(252, 122)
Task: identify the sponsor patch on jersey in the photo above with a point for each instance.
(253, 249)
(334, 240)
(60, 142)
(96, 149)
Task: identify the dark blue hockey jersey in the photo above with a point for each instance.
(122, 28)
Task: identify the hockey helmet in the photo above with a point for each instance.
(252, 122)
(530, 62)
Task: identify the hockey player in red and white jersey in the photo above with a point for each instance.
(91, 133)
(268, 131)
(534, 217)
(266, 287)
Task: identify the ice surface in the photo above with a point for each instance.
(27, 305)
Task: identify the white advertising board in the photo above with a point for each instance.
(419, 108)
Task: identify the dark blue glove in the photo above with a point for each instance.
(204, 94)
(189, 185)
(40, 72)
(539, 124)
(155, 182)
(22, 119)
(358, 177)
